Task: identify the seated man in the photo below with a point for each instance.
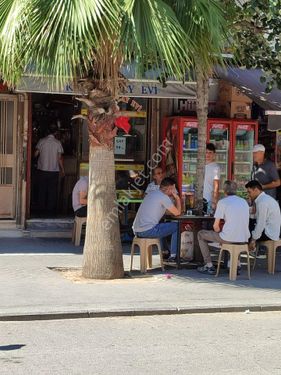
(157, 176)
(152, 209)
(79, 196)
(235, 213)
(268, 217)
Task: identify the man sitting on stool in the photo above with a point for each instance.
(80, 196)
(151, 211)
(268, 217)
(235, 213)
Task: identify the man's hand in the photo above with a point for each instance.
(175, 195)
(252, 244)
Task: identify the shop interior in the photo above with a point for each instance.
(130, 150)
(58, 109)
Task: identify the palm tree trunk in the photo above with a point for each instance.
(202, 115)
(102, 250)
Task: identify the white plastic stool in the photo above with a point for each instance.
(145, 245)
(77, 229)
(271, 254)
(234, 250)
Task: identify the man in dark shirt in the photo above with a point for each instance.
(264, 171)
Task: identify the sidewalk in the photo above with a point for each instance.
(31, 289)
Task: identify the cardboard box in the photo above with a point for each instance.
(234, 109)
(229, 93)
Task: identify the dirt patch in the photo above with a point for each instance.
(75, 275)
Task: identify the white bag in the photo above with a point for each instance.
(187, 243)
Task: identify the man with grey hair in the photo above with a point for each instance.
(234, 211)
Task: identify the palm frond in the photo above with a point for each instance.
(59, 37)
(152, 36)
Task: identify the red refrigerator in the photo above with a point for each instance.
(233, 138)
(244, 136)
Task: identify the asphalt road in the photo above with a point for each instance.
(229, 343)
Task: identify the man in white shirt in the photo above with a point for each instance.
(157, 176)
(268, 217)
(80, 196)
(50, 163)
(235, 213)
(151, 211)
(211, 179)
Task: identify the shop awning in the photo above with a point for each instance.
(248, 81)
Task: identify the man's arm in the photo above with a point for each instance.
(175, 209)
(273, 173)
(261, 214)
(216, 188)
(83, 197)
(36, 153)
(216, 225)
(271, 185)
(60, 160)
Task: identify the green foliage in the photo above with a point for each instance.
(256, 37)
(65, 39)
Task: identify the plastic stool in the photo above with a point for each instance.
(234, 250)
(271, 253)
(77, 229)
(145, 245)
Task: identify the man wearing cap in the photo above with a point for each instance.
(264, 171)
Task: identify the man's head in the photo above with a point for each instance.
(229, 187)
(168, 186)
(258, 153)
(210, 153)
(53, 129)
(157, 175)
(254, 189)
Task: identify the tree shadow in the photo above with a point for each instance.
(11, 347)
(35, 245)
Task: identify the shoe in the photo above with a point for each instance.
(206, 269)
(166, 254)
(171, 260)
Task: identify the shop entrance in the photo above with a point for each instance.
(50, 109)
(8, 156)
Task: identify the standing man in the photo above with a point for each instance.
(50, 163)
(211, 179)
(235, 213)
(264, 171)
(153, 208)
(268, 217)
(80, 196)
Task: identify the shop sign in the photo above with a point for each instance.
(120, 145)
(244, 127)
(218, 126)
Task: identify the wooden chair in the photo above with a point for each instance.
(234, 250)
(77, 229)
(271, 247)
(145, 246)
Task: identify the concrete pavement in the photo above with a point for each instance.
(197, 344)
(30, 288)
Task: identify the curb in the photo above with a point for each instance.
(134, 312)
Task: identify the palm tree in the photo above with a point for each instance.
(90, 39)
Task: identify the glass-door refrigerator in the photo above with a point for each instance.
(219, 133)
(244, 136)
(181, 142)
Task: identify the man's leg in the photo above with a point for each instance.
(163, 230)
(204, 237)
(53, 181)
(81, 212)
